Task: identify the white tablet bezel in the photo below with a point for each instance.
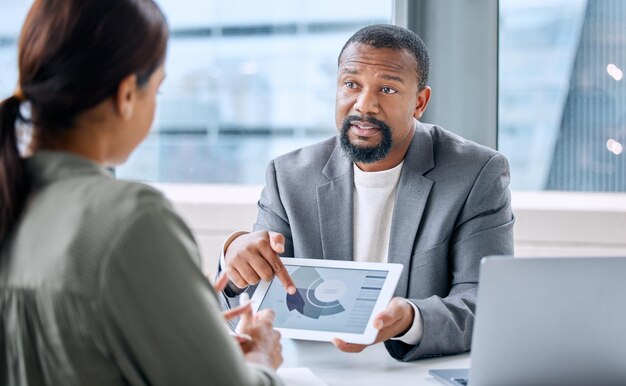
(369, 335)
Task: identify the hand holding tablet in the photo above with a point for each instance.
(334, 299)
(396, 320)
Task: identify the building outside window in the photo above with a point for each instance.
(562, 99)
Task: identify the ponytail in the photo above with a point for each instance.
(13, 181)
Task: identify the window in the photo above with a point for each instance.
(12, 15)
(562, 99)
(246, 81)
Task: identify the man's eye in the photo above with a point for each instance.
(350, 85)
(388, 90)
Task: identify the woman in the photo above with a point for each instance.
(99, 279)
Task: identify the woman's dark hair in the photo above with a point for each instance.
(72, 55)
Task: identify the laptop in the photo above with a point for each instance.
(547, 321)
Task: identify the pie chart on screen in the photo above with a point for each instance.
(316, 297)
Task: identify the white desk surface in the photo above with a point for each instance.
(373, 366)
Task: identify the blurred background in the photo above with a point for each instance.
(250, 80)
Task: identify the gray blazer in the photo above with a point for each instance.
(452, 208)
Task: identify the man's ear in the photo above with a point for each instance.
(126, 97)
(423, 97)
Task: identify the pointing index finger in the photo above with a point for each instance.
(283, 275)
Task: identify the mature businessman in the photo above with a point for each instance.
(386, 188)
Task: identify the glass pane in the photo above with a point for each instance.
(247, 80)
(561, 94)
(12, 15)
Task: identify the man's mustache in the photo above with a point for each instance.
(347, 122)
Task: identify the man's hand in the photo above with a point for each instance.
(394, 321)
(254, 256)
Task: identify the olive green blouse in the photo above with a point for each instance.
(100, 285)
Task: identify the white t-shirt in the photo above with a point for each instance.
(374, 199)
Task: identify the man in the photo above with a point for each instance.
(387, 188)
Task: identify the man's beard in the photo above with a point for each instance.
(365, 154)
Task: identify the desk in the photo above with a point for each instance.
(372, 367)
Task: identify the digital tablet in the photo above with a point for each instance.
(334, 299)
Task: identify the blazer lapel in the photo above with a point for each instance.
(335, 208)
(411, 198)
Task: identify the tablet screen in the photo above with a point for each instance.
(327, 299)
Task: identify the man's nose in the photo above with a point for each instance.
(367, 103)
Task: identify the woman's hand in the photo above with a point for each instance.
(266, 348)
(259, 341)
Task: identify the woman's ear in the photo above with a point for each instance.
(423, 97)
(126, 97)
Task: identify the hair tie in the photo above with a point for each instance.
(19, 94)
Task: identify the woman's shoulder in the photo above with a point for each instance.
(105, 208)
(121, 197)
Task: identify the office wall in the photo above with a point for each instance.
(462, 39)
(547, 223)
